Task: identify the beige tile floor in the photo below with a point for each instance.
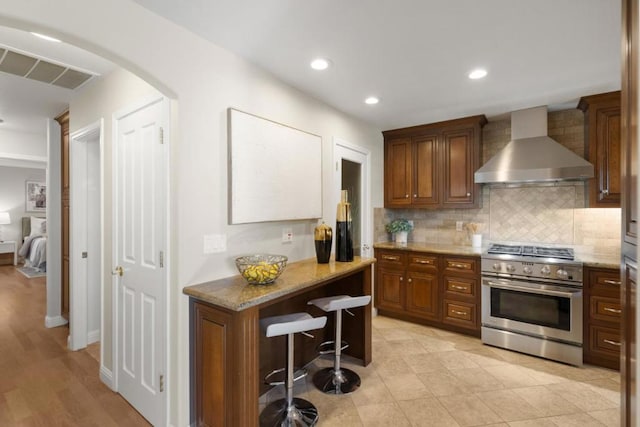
(422, 376)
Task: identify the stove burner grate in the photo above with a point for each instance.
(532, 251)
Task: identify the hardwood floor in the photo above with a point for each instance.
(41, 382)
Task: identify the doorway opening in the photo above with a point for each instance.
(353, 174)
(86, 244)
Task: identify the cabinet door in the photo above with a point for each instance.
(422, 294)
(608, 157)
(397, 188)
(459, 152)
(425, 171)
(628, 364)
(390, 290)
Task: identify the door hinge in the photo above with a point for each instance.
(161, 383)
(161, 259)
(161, 135)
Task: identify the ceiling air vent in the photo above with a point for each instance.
(31, 67)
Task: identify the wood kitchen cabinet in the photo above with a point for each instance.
(602, 138)
(407, 283)
(432, 166)
(602, 312)
(461, 290)
(436, 290)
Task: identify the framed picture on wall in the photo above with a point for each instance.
(36, 196)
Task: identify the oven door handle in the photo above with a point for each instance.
(530, 290)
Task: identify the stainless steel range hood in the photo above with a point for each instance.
(531, 156)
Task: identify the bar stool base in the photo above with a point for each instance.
(328, 381)
(302, 413)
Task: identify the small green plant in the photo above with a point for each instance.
(397, 225)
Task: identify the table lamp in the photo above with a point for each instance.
(5, 219)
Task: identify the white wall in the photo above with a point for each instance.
(12, 192)
(23, 143)
(205, 80)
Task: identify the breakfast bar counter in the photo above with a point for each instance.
(230, 355)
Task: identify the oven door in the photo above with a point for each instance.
(541, 310)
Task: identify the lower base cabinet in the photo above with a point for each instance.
(602, 314)
(431, 289)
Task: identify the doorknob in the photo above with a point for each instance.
(118, 271)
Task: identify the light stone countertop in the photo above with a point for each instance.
(589, 257)
(236, 294)
(438, 248)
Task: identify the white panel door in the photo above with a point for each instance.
(139, 198)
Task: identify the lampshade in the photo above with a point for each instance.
(5, 218)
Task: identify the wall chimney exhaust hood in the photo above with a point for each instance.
(531, 156)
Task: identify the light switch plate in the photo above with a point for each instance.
(214, 243)
(458, 225)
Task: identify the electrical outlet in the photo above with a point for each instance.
(458, 225)
(287, 235)
(410, 222)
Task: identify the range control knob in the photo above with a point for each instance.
(562, 274)
(510, 268)
(527, 270)
(545, 271)
(496, 266)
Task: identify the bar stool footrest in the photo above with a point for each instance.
(328, 347)
(297, 375)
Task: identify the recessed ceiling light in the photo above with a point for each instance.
(372, 100)
(320, 64)
(478, 73)
(47, 38)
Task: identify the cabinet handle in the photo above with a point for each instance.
(409, 280)
(421, 261)
(401, 279)
(459, 313)
(391, 257)
(460, 288)
(612, 282)
(616, 343)
(468, 194)
(415, 196)
(605, 192)
(456, 265)
(612, 310)
(406, 196)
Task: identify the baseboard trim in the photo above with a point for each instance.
(106, 376)
(54, 321)
(93, 336)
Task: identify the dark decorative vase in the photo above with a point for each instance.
(323, 236)
(344, 239)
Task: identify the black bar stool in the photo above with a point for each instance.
(337, 380)
(290, 411)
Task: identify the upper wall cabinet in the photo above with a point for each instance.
(432, 166)
(602, 138)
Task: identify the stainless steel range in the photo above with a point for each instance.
(532, 301)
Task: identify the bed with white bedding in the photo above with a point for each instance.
(34, 246)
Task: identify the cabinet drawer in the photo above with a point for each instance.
(420, 261)
(460, 287)
(461, 265)
(460, 314)
(604, 281)
(391, 258)
(605, 309)
(605, 340)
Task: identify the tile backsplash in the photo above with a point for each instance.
(543, 214)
